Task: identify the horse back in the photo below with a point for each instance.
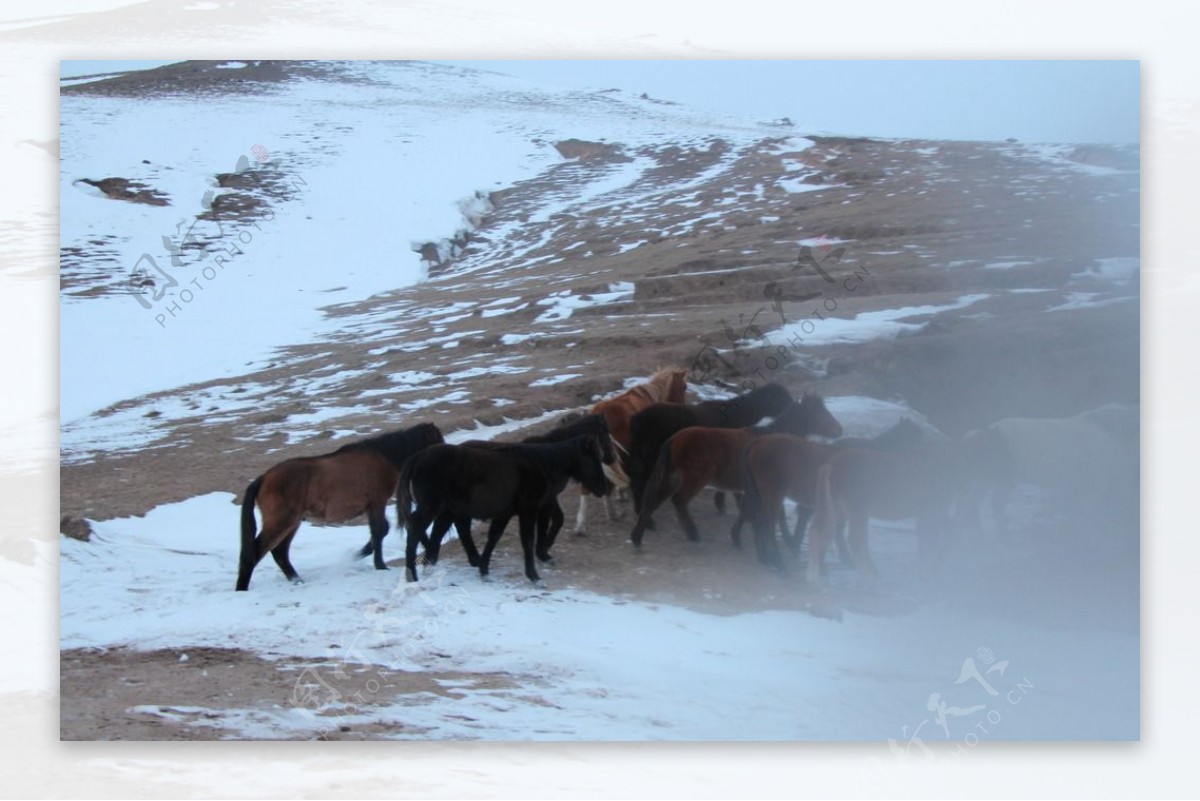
(895, 484)
(715, 454)
(788, 461)
(330, 488)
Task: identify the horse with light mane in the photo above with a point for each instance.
(667, 385)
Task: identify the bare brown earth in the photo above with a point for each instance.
(920, 229)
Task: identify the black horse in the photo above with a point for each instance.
(459, 483)
(355, 479)
(655, 424)
(550, 520)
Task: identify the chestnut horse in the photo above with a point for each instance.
(667, 385)
(699, 457)
(784, 480)
(779, 467)
(355, 479)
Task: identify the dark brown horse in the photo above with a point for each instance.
(655, 424)
(856, 485)
(700, 457)
(450, 483)
(667, 385)
(780, 466)
(355, 479)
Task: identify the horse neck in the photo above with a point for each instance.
(396, 448)
(737, 413)
(555, 458)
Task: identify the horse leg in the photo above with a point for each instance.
(769, 502)
(550, 522)
(280, 554)
(270, 538)
(418, 521)
(824, 521)
(803, 516)
(661, 485)
(494, 532)
(434, 546)
(581, 515)
(858, 524)
(735, 533)
(680, 500)
(610, 507)
(463, 526)
(845, 553)
(719, 502)
(377, 520)
(528, 523)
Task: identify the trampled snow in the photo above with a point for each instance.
(583, 666)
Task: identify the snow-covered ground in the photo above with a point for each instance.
(585, 666)
(392, 155)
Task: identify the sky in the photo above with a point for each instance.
(1034, 101)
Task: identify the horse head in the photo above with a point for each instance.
(904, 434)
(817, 419)
(591, 473)
(772, 399)
(677, 389)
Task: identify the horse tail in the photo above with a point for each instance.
(651, 492)
(825, 516)
(659, 480)
(249, 554)
(616, 472)
(752, 510)
(404, 493)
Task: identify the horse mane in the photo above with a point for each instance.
(397, 446)
(756, 400)
(660, 382)
(545, 455)
(588, 424)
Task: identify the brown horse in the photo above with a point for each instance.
(780, 466)
(858, 484)
(355, 479)
(654, 425)
(667, 385)
(700, 457)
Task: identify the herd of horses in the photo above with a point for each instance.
(650, 442)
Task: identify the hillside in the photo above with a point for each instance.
(394, 243)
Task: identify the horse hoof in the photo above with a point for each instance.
(296, 580)
(381, 567)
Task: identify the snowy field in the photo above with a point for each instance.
(588, 667)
